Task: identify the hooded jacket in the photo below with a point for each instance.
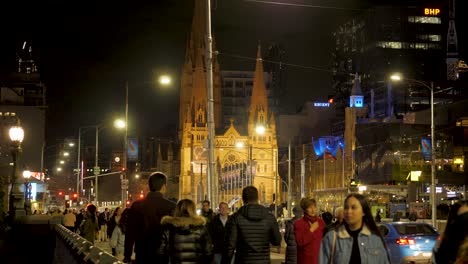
(186, 240)
(249, 232)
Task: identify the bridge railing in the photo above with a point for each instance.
(74, 248)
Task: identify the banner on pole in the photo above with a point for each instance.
(426, 149)
(132, 149)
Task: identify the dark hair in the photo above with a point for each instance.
(123, 220)
(306, 202)
(91, 209)
(156, 181)
(367, 218)
(185, 208)
(206, 201)
(114, 214)
(327, 218)
(249, 194)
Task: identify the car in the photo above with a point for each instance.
(409, 242)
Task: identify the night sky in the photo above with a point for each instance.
(88, 49)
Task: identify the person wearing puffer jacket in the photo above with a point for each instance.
(250, 231)
(185, 237)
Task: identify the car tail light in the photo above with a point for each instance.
(405, 241)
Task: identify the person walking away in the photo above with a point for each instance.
(207, 212)
(79, 219)
(217, 229)
(69, 220)
(250, 231)
(358, 240)
(89, 226)
(117, 239)
(378, 217)
(114, 220)
(144, 229)
(185, 237)
(308, 232)
(289, 238)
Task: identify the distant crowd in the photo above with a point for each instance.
(157, 230)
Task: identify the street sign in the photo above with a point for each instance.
(97, 170)
(124, 183)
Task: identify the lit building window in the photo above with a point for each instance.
(429, 37)
(425, 19)
(389, 44)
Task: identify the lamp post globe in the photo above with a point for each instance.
(165, 80)
(16, 134)
(120, 124)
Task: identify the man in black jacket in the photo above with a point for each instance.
(144, 223)
(250, 231)
(217, 231)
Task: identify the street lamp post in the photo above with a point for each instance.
(433, 181)
(212, 180)
(16, 202)
(27, 191)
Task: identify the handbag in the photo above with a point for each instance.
(333, 247)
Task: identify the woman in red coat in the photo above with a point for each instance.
(308, 232)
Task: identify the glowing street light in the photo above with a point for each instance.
(62, 162)
(165, 80)
(59, 169)
(120, 124)
(71, 144)
(16, 134)
(66, 154)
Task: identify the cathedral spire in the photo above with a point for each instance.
(258, 110)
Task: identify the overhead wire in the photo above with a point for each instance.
(303, 5)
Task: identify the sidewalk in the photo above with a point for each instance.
(276, 258)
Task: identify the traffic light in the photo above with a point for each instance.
(60, 193)
(75, 195)
(331, 99)
(142, 196)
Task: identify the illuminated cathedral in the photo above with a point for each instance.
(242, 158)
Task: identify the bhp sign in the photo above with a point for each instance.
(431, 11)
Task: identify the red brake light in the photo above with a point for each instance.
(405, 241)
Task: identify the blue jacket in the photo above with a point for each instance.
(371, 247)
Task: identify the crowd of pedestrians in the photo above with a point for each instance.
(157, 230)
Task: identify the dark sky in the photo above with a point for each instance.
(88, 49)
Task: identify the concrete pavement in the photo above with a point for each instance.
(276, 258)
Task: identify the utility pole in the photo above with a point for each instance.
(289, 180)
(78, 172)
(96, 167)
(211, 179)
(124, 180)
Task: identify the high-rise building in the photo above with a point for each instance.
(415, 38)
(242, 158)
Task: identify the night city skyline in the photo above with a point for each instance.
(86, 55)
